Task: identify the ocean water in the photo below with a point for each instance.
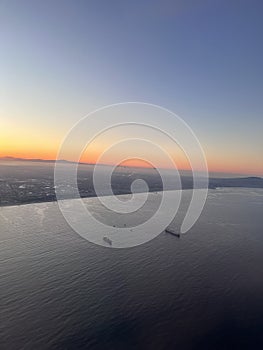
(202, 291)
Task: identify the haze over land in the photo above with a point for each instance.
(27, 181)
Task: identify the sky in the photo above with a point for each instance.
(60, 60)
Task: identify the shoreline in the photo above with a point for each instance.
(120, 194)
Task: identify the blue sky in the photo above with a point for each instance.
(201, 59)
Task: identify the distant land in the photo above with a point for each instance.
(40, 160)
(37, 160)
(24, 181)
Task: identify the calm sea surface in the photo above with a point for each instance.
(202, 291)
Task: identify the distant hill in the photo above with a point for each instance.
(249, 182)
(7, 158)
(39, 160)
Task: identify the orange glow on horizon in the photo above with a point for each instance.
(137, 163)
(30, 154)
(22, 141)
(225, 166)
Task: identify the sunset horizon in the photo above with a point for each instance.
(134, 163)
(131, 174)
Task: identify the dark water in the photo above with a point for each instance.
(202, 291)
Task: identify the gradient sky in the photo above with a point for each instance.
(201, 59)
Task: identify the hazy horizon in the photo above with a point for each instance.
(184, 171)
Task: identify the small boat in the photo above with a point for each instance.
(172, 232)
(107, 240)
